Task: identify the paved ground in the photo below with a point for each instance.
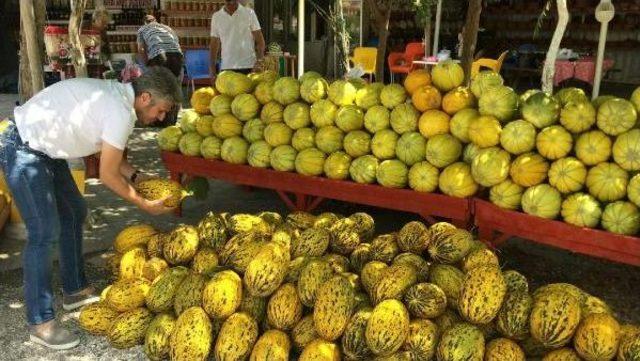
(619, 285)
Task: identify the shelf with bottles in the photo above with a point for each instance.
(187, 23)
(173, 6)
(194, 42)
(129, 4)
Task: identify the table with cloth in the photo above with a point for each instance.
(582, 69)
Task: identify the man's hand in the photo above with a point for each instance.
(156, 207)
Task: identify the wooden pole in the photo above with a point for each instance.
(30, 50)
(427, 38)
(549, 70)
(301, 25)
(75, 27)
(470, 36)
(436, 35)
(604, 14)
(382, 14)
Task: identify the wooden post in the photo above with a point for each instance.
(382, 14)
(427, 38)
(30, 52)
(470, 36)
(75, 27)
(301, 31)
(436, 33)
(549, 70)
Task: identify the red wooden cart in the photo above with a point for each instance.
(496, 225)
(306, 193)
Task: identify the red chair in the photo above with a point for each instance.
(402, 63)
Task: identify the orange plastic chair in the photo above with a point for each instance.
(493, 64)
(402, 63)
(366, 59)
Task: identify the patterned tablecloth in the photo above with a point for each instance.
(583, 69)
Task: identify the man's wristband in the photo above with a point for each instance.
(134, 176)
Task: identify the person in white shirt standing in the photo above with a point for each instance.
(73, 119)
(236, 33)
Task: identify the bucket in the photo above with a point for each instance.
(58, 46)
(77, 172)
(14, 216)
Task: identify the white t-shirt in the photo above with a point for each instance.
(236, 38)
(71, 118)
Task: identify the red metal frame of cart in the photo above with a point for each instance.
(496, 225)
(309, 192)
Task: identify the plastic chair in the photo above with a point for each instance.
(402, 63)
(197, 62)
(493, 64)
(366, 59)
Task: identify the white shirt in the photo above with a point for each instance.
(236, 38)
(71, 118)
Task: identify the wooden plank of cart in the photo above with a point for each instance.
(306, 193)
(496, 225)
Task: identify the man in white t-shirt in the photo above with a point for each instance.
(236, 33)
(73, 119)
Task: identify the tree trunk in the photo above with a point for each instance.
(342, 39)
(549, 70)
(75, 27)
(382, 15)
(31, 44)
(383, 35)
(470, 36)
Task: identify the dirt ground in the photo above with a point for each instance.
(619, 285)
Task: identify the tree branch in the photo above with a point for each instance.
(75, 27)
(549, 70)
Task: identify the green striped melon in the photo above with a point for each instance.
(443, 150)
(490, 166)
(518, 137)
(567, 175)
(423, 177)
(329, 139)
(363, 169)
(410, 148)
(581, 210)
(392, 173)
(507, 195)
(337, 165)
(310, 162)
(542, 201)
(462, 341)
(482, 294)
(387, 328)
(383, 144)
(512, 320)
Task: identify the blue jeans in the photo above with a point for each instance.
(53, 211)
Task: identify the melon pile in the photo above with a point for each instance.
(327, 287)
(559, 156)
(563, 157)
(394, 135)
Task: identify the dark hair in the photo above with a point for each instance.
(149, 19)
(160, 83)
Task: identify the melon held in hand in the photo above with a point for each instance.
(154, 189)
